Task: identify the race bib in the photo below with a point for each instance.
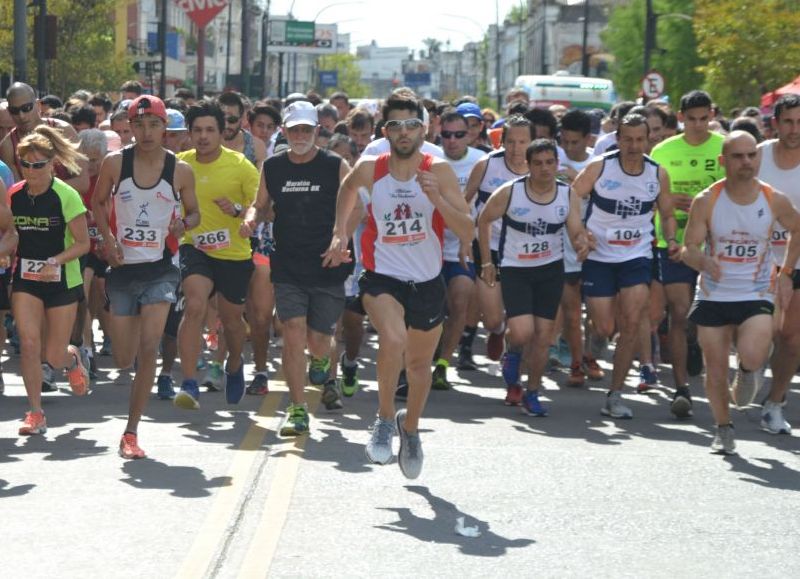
(534, 250)
(212, 240)
(38, 270)
(624, 237)
(145, 237)
(94, 233)
(780, 237)
(743, 251)
(401, 231)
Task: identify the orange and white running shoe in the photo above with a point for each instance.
(129, 446)
(78, 374)
(34, 423)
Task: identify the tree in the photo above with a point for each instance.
(349, 73)
(749, 48)
(676, 55)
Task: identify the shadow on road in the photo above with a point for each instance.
(182, 481)
(441, 529)
(8, 491)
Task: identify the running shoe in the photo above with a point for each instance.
(410, 456)
(723, 442)
(531, 405)
(93, 367)
(772, 419)
(33, 423)
(48, 378)
(494, 346)
(576, 376)
(647, 379)
(513, 395)
(614, 406)
(86, 360)
(296, 421)
(510, 367)
(552, 358)
(402, 386)
(77, 374)
(105, 349)
(234, 384)
(439, 378)
(259, 386)
(189, 396)
(349, 377)
(694, 358)
(318, 370)
(331, 397)
(592, 369)
(564, 355)
(166, 387)
(465, 361)
(745, 387)
(129, 447)
(379, 447)
(681, 406)
(213, 377)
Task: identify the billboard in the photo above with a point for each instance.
(301, 36)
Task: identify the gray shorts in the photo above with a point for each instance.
(129, 290)
(320, 305)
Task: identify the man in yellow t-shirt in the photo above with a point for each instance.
(215, 256)
(692, 163)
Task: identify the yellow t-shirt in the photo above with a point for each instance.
(231, 175)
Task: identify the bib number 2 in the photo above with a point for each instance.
(38, 270)
(403, 231)
(212, 240)
(140, 237)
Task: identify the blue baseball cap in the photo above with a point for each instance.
(175, 121)
(467, 110)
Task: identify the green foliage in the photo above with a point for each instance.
(517, 14)
(750, 48)
(676, 55)
(349, 73)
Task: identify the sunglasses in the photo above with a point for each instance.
(232, 120)
(453, 134)
(408, 124)
(26, 108)
(34, 164)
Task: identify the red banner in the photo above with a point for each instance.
(201, 12)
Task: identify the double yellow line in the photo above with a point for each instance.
(201, 556)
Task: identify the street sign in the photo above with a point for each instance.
(328, 78)
(653, 84)
(201, 12)
(295, 36)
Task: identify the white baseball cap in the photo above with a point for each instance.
(300, 113)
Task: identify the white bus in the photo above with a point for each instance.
(580, 92)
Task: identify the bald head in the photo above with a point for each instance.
(20, 90)
(738, 140)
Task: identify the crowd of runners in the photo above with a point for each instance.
(187, 225)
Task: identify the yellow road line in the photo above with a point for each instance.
(210, 535)
(262, 547)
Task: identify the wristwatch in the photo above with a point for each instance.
(238, 208)
(51, 261)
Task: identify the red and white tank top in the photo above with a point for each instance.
(140, 217)
(739, 236)
(404, 231)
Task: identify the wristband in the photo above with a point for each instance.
(52, 261)
(485, 265)
(672, 239)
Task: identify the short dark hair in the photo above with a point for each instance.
(176, 103)
(786, 102)
(540, 146)
(359, 119)
(119, 115)
(184, 93)
(339, 95)
(262, 109)
(751, 112)
(133, 86)
(657, 112)
(748, 125)
(517, 121)
(403, 101)
(577, 120)
(543, 118)
(205, 108)
(85, 114)
(619, 110)
(340, 139)
(518, 107)
(696, 99)
(101, 100)
(671, 122)
(327, 110)
(231, 99)
(632, 120)
(314, 97)
(52, 101)
(450, 115)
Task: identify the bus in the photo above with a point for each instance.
(580, 92)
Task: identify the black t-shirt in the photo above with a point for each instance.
(304, 199)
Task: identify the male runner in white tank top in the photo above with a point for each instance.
(780, 168)
(734, 219)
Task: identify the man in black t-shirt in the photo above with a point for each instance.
(300, 187)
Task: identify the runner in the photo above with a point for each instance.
(734, 218)
(137, 206)
(235, 137)
(300, 186)
(216, 257)
(411, 198)
(49, 219)
(534, 210)
(623, 187)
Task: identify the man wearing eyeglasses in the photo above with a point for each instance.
(24, 111)
(459, 274)
(234, 136)
(410, 198)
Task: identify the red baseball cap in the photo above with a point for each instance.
(147, 104)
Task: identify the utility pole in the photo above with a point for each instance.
(162, 48)
(649, 34)
(264, 45)
(497, 55)
(585, 53)
(544, 36)
(20, 41)
(41, 49)
(245, 49)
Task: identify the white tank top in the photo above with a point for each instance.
(787, 181)
(531, 234)
(571, 263)
(620, 212)
(496, 174)
(462, 167)
(140, 217)
(404, 231)
(740, 237)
